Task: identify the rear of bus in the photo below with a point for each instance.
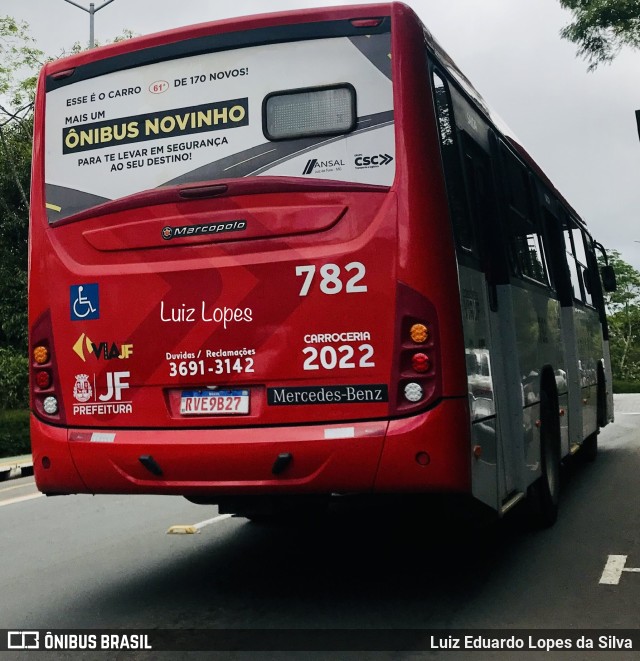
(242, 279)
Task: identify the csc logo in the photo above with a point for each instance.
(376, 160)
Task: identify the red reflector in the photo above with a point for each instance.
(43, 379)
(62, 74)
(420, 362)
(366, 22)
(196, 192)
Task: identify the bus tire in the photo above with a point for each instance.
(590, 447)
(544, 494)
(294, 512)
(601, 398)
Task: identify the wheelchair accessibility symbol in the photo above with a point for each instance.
(84, 302)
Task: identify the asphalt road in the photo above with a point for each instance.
(82, 562)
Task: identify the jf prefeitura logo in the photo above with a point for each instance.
(157, 125)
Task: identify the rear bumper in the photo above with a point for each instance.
(360, 457)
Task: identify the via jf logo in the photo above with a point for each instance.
(84, 301)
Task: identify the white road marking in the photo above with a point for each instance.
(215, 519)
(614, 568)
(18, 486)
(20, 499)
(194, 528)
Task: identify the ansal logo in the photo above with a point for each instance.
(315, 164)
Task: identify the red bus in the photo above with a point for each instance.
(289, 256)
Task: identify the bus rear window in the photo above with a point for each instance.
(302, 113)
(118, 129)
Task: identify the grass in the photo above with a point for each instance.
(625, 386)
(14, 433)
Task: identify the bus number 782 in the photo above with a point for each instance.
(331, 282)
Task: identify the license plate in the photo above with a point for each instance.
(214, 402)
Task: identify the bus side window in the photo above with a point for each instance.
(481, 195)
(571, 261)
(581, 263)
(529, 253)
(577, 260)
(554, 250)
(460, 217)
(526, 246)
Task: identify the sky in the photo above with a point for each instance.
(580, 127)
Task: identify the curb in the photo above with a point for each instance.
(15, 467)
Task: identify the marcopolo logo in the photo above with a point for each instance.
(169, 232)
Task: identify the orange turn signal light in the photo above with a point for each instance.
(419, 333)
(41, 355)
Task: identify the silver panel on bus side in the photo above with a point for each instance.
(582, 338)
(505, 353)
(608, 375)
(589, 346)
(573, 377)
(510, 394)
(482, 404)
(539, 343)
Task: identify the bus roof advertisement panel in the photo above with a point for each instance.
(200, 118)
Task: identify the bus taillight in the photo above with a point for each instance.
(50, 405)
(42, 380)
(41, 355)
(420, 362)
(45, 385)
(417, 378)
(419, 333)
(413, 392)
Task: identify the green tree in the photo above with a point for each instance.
(623, 308)
(600, 28)
(20, 62)
(15, 167)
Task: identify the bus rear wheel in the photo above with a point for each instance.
(544, 494)
(298, 511)
(589, 449)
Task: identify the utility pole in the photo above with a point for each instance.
(91, 11)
